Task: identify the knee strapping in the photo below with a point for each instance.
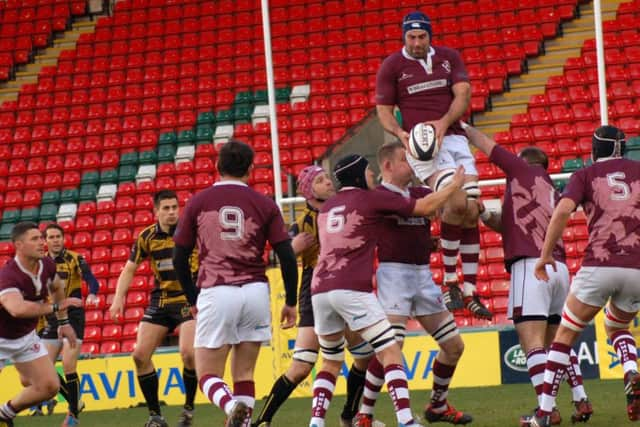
(400, 331)
(612, 321)
(472, 189)
(446, 330)
(380, 335)
(332, 350)
(444, 178)
(306, 355)
(361, 350)
(571, 321)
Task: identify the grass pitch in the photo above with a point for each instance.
(490, 406)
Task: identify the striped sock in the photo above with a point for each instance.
(245, 391)
(625, 346)
(536, 361)
(218, 393)
(469, 254)
(323, 388)
(556, 367)
(574, 378)
(396, 380)
(450, 241)
(442, 375)
(7, 411)
(374, 379)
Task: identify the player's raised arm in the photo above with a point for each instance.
(428, 205)
(478, 139)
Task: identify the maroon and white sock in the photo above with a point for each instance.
(574, 377)
(442, 375)
(555, 370)
(469, 254)
(245, 391)
(625, 346)
(398, 387)
(536, 361)
(7, 411)
(450, 241)
(218, 393)
(323, 388)
(374, 379)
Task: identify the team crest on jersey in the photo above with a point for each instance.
(404, 76)
(446, 65)
(185, 311)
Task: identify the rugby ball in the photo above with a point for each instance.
(422, 142)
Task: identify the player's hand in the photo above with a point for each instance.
(92, 300)
(302, 242)
(117, 309)
(66, 331)
(69, 302)
(403, 136)
(288, 317)
(540, 270)
(441, 130)
(458, 178)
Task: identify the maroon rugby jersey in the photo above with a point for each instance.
(422, 93)
(349, 228)
(13, 277)
(230, 223)
(405, 240)
(529, 200)
(609, 192)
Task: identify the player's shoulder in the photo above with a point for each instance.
(49, 264)
(9, 268)
(393, 59)
(147, 232)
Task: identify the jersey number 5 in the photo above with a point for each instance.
(620, 189)
(232, 220)
(335, 219)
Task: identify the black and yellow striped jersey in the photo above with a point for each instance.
(157, 246)
(307, 222)
(72, 268)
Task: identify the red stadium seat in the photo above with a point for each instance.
(128, 346)
(110, 347)
(92, 334)
(136, 299)
(90, 347)
(130, 330)
(93, 317)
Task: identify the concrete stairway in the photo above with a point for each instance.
(551, 63)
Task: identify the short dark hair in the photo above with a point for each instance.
(53, 226)
(535, 156)
(22, 227)
(387, 150)
(235, 158)
(163, 195)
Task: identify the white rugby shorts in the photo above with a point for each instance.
(21, 350)
(233, 314)
(595, 285)
(333, 309)
(453, 152)
(408, 290)
(530, 297)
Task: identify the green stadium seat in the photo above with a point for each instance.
(148, 157)
(48, 212)
(87, 192)
(166, 153)
(572, 165)
(243, 98)
(261, 97)
(30, 214)
(70, 195)
(204, 133)
(52, 196)
(282, 94)
(186, 137)
(224, 117)
(109, 176)
(633, 144)
(560, 184)
(11, 216)
(129, 158)
(168, 138)
(127, 173)
(242, 114)
(5, 231)
(206, 117)
(633, 155)
(90, 177)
